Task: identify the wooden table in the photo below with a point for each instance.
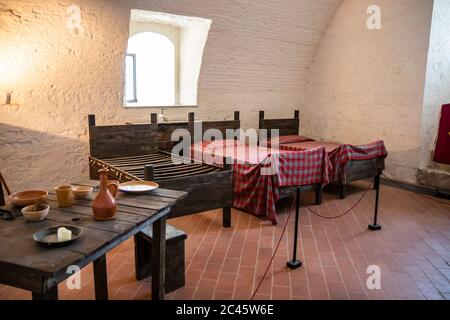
(27, 265)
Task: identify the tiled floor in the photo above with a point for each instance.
(412, 251)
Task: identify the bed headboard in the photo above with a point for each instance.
(165, 129)
(122, 140)
(223, 125)
(286, 126)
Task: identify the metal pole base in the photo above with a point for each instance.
(294, 264)
(374, 227)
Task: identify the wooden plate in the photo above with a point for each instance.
(28, 197)
(49, 237)
(138, 187)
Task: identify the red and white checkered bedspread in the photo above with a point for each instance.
(340, 154)
(259, 172)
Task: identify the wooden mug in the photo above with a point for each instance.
(64, 195)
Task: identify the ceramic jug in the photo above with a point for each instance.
(104, 206)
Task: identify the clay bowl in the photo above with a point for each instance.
(82, 192)
(28, 197)
(31, 214)
(138, 187)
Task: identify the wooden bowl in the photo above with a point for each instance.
(82, 192)
(28, 197)
(31, 214)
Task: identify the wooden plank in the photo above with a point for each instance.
(285, 126)
(363, 169)
(222, 126)
(122, 140)
(165, 131)
(200, 199)
(19, 277)
(18, 248)
(167, 193)
(140, 157)
(86, 220)
(124, 214)
(143, 205)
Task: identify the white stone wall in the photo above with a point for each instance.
(437, 87)
(369, 84)
(256, 57)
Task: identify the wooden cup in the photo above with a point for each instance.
(64, 195)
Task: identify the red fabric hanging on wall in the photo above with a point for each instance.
(442, 152)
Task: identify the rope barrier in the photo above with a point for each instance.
(285, 227)
(276, 249)
(329, 218)
(344, 213)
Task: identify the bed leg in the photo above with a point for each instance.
(149, 172)
(226, 217)
(342, 190)
(319, 195)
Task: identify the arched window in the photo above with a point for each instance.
(150, 70)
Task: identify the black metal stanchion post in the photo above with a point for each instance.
(294, 263)
(375, 226)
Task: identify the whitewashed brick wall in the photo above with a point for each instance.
(257, 57)
(369, 84)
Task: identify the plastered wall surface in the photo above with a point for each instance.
(257, 57)
(437, 87)
(369, 84)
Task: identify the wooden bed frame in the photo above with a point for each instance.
(355, 169)
(165, 129)
(139, 152)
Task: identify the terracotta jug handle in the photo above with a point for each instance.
(113, 188)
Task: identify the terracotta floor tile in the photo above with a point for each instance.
(429, 291)
(281, 293)
(299, 288)
(332, 274)
(319, 295)
(412, 250)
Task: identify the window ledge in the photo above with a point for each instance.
(161, 107)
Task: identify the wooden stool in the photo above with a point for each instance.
(175, 275)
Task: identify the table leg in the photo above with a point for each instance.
(50, 294)
(159, 258)
(101, 278)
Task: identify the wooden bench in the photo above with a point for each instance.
(174, 272)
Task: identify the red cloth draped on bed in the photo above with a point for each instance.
(340, 154)
(442, 151)
(259, 172)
